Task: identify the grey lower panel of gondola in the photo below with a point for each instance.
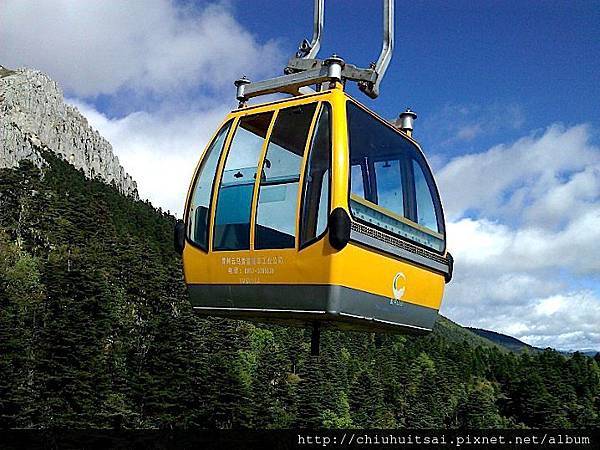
(333, 306)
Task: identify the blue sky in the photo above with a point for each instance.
(507, 96)
(541, 57)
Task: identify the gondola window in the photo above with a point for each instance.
(278, 194)
(234, 202)
(200, 204)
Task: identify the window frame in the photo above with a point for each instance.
(320, 107)
(408, 186)
(231, 123)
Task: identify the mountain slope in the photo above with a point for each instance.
(455, 333)
(34, 117)
(509, 342)
(96, 331)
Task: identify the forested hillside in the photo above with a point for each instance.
(96, 331)
(508, 342)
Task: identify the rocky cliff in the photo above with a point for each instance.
(34, 117)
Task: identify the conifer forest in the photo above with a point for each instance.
(96, 332)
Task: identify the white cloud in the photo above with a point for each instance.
(538, 308)
(168, 66)
(506, 179)
(159, 150)
(569, 199)
(104, 46)
(483, 243)
(532, 231)
(567, 321)
(469, 132)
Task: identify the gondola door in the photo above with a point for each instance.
(275, 228)
(255, 232)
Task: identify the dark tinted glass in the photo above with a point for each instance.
(388, 177)
(376, 153)
(315, 206)
(387, 170)
(426, 214)
(357, 186)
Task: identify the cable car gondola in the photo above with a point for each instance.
(315, 210)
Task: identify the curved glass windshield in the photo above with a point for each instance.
(390, 184)
(315, 199)
(426, 214)
(200, 202)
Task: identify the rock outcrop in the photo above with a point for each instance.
(34, 117)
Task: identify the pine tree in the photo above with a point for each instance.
(21, 294)
(270, 388)
(366, 401)
(479, 409)
(310, 394)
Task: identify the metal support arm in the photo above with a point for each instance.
(372, 90)
(285, 84)
(349, 71)
(329, 70)
(304, 69)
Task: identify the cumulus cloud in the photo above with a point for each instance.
(485, 243)
(566, 321)
(159, 150)
(524, 228)
(165, 68)
(506, 179)
(151, 45)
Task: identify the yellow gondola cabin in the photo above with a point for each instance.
(313, 209)
(344, 224)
